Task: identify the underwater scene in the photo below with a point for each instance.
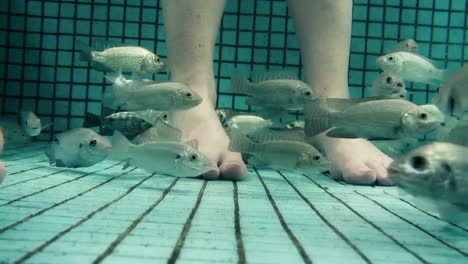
(233, 131)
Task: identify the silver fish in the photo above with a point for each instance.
(286, 155)
(79, 147)
(371, 118)
(14, 133)
(295, 124)
(408, 45)
(453, 94)
(246, 123)
(165, 157)
(31, 123)
(458, 134)
(387, 84)
(277, 134)
(435, 171)
(164, 96)
(412, 67)
(121, 58)
(274, 90)
(225, 114)
(161, 131)
(130, 124)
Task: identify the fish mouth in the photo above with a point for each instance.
(380, 60)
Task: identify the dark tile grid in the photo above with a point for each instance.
(37, 40)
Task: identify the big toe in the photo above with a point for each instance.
(232, 167)
(212, 174)
(2, 172)
(358, 173)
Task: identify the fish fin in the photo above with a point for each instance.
(317, 118)
(193, 143)
(239, 142)
(340, 133)
(107, 111)
(274, 75)
(173, 133)
(136, 76)
(86, 52)
(100, 44)
(91, 120)
(240, 84)
(126, 165)
(120, 145)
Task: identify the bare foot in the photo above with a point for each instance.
(355, 161)
(202, 123)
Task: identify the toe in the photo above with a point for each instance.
(2, 172)
(211, 175)
(232, 167)
(356, 172)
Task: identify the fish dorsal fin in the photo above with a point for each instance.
(102, 44)
(274, 75)
(151, 116)
(340, 133)
(193, 143)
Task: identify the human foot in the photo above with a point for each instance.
(355, 161)
(202, 123)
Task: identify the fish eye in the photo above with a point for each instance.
(390, 58)
(308, 93)
(188, 95)
(292, 125)
(402, 96)
(419, 163)
(225, 125)
(194, 157)
(407, 45)
(178, 156)
(158, 59)
(423, 116)
(165, 116)
(92, 142)
(316, 157)
(389, 79)
(399, 84)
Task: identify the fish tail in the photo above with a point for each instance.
(240, 84)
(240, 142)
(120, 146)
(86, 52)
(91, 120)
(117, 79)
(317, 118)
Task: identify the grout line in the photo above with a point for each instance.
(31, 179)
(237, 226)
(183, 235)
(83, 220)
(129, 229)
(370, 223)
(283, 223)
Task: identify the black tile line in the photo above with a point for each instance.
(24, 219)
(365, 66)
(21, 86)
(188, 223)
(237, 227)
(55, 186)
(13, 154)
(462, 59)
(416, 255)
(73, 59)
(269, 35)
(30, 179)
(252, 44)
(7, 57)
(80, 222)
(25, 170)
(325, 220)
(427, 213)
(88, 73)
(20, 158)
(9, 148)
(283, 223)
(134, 224)
(18, 164)
(415, 225)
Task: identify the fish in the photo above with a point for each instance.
(13, 132)
(277, 134)
(437, 172)
(295, 124)
(128, 123)
(412, 67)
(284, 155)
(165, 157)
(397, 147)
(161, 131)
(162, 96)
(458, 134)
(371, 118)
(390, 85)
(452, 97)
(225, 114)
(408, 45)
(246, 123)
(132, 59)
(30, 122)
(78, 147)
(281, 91)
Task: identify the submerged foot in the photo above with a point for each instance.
(202, 123)
(355, 161)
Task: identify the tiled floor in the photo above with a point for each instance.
(106, 214)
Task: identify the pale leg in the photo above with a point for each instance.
(324, 31)
(191, 29)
